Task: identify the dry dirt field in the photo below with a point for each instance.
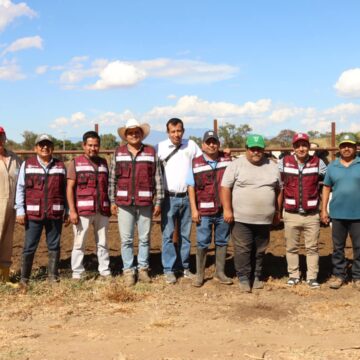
(94, 319)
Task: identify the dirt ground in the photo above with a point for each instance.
(103, 320)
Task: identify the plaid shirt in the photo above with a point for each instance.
(159, 187)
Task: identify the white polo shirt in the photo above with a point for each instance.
(177, 167)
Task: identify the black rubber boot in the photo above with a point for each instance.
(200, 267)
(26, 266)
(53, 266)
(220, 265)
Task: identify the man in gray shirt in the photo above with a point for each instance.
(250, 195)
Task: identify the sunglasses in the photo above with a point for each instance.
(45, 143)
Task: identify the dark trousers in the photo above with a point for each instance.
(250, 242)
(340, 230)
(33, 230)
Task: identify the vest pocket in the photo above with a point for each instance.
(33, 207)
(56, 208)
(85, 204)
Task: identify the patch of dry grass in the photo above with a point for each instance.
(67, 298)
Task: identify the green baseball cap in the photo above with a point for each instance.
(347, 139)
(255, 141)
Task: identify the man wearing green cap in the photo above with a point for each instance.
(343, 180)
(250, 195)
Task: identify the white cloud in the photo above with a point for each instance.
(118, 74)
(354, 127)
(42, 69)
(10, 11)
(188, 71)
(80, 119)
(171, 96)
(24, 43)
(76, 72)
(262, 116)
(193, 110)
(284, 114)
(75, 120)
(10, 70)
(348, 83)
(342, 109)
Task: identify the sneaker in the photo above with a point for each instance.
(336, 283)
(258, 284)
(143, 275)
(313, 284)
(293, 281)
(129, 277)
(188, 274)
(244, 286)
(170, 278)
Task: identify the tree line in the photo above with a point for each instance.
(231, 136)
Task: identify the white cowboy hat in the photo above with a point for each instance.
(132, 123)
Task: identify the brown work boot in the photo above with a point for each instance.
(143, 275)
(129, 277)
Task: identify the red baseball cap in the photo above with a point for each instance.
(300, 136)
(2, 131)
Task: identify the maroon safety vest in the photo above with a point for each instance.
(208, 183)
(135, 176)
(44, 191)
(301, 187)
(92, 186)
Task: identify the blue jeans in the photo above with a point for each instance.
(33, 230)
(340, 230)
(204, 231)
(174, 208)
(128, 217)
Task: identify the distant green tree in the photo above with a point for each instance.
(108, 141)
(284, 138)
(12, 145)
(198, 140)
(232, 136)
(29, 140)
(314, 134)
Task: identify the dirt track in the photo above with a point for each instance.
(97, 320)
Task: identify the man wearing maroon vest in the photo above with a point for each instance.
(204, 183)
(135, 192)
(40, 203)
(87, 195)
(301, 174)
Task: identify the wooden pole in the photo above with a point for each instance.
(333, 139)
(215, 126)
(97, 128)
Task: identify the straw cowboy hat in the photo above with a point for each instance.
(132, 123)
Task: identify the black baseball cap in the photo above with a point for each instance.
(210, 134)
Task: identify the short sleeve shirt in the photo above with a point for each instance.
(345, 185)
(254, 190)
(178, 166)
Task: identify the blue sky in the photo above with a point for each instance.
(66, 65)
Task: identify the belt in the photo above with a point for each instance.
(311, 212)
(175, 194)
